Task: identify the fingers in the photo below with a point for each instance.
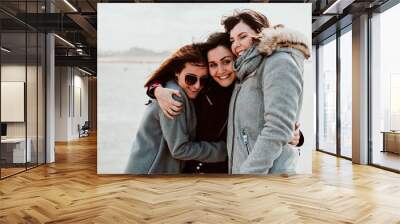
(177, 93)
(176, 109)
(167, 114)
(296, 135)
(295, 140)
(169, 105)
(176, 104)
(172, 112)
(297, 126)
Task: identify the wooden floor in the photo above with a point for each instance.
(10, 171)
(70, 191)
(387, 159)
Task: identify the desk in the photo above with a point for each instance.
(391, 141)
(15, 148)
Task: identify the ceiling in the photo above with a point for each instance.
(76, 22)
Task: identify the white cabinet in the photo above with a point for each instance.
(17, 148)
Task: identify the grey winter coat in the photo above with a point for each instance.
(162, 144)
(266, 103)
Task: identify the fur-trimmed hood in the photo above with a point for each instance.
(280, 37)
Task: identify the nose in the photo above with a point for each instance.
(221, 69)
(234, 46)
(197, 85)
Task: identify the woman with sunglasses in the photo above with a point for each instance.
(163, 144)
(212, 105)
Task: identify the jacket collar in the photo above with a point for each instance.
(277, 38)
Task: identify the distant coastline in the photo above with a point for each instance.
(127, 59)
(133, 55)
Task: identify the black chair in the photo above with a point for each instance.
(84, 130)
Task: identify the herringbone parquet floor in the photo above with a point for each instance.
(70, 191)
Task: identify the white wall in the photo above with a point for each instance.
(69, 84)
(61, 103)
(80, 84)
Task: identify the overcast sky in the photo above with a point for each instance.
(164, 26)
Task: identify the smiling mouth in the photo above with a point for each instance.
(239, 51)
(194, 92)
(223, 77)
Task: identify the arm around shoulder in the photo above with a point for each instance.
(177, 135)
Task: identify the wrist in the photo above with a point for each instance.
(151, 89)
(156, 90)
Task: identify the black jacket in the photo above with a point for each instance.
(212, 107)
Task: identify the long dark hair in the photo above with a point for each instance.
(216, 39)
(191, 53)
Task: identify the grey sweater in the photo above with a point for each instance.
(161, 144)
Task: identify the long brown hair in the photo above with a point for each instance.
(191, 53)
(253, 19)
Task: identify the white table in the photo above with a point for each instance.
(18, 149)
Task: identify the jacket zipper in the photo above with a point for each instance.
(233, 125)
(245, 140)
(233, 119)
(223, 127)
(209, 101)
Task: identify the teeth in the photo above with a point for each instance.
(223, 77)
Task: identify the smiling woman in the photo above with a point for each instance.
(267, 98)
(162, 144)
(220, 61)
(192, 79)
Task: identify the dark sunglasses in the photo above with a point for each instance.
(190, 80)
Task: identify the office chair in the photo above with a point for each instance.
(84, 130)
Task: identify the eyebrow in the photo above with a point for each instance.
(196, 75)
(191, 74)
(220, 59)
(225, 57)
